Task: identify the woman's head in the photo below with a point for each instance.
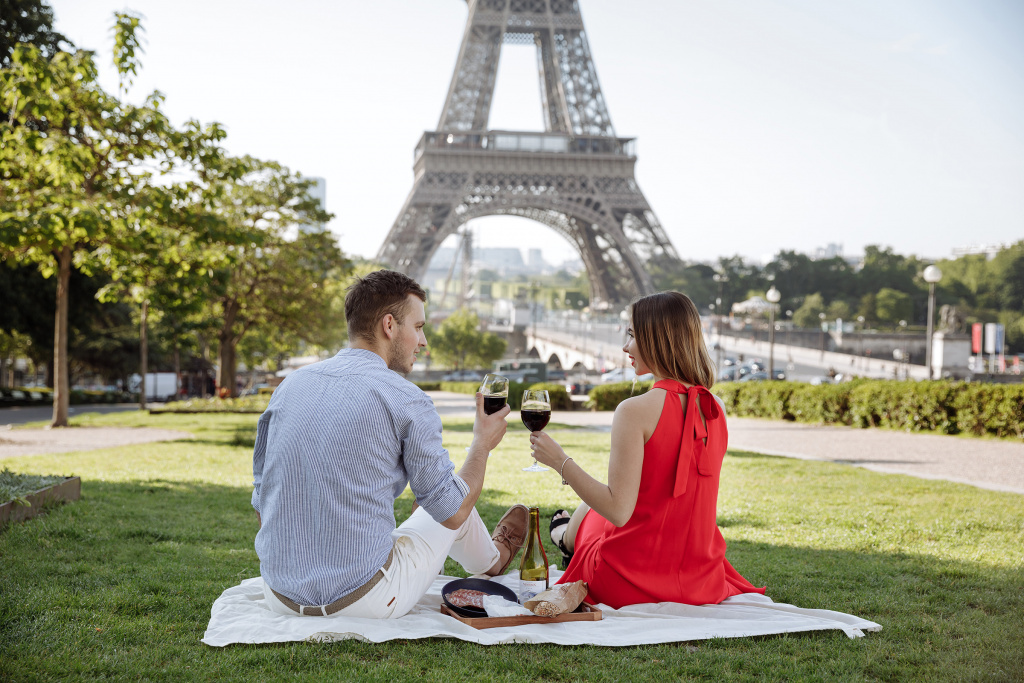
(669, 341)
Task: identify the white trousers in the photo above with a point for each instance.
(421, 546)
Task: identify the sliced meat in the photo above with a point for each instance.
(465, 597)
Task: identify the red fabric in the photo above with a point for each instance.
(670, 550)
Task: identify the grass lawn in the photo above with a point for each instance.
(120, 583)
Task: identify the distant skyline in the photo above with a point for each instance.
(782, 124)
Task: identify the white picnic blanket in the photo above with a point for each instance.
(240, 615)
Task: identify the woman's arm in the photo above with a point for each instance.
(615, 500)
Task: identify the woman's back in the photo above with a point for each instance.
(670, 550)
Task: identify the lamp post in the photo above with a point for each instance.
(904, 356)
(932, 274)
(721, 279)
(821, 317)
(773, 297)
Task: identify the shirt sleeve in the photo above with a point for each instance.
(259, 454)
(432, 478)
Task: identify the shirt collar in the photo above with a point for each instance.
(362, 355)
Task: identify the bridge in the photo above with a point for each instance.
(597, 347)
(594, 346)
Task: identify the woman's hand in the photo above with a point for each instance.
(546, 450)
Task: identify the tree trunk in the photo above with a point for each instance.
(143, 353)
(226, 373)
(226, 353)
(61, 386)
(177, 369)
(206, 359)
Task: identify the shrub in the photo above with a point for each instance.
(609, 396)
(729, 392)
(989, 409)
(515, 390)
(942, 407)
(429, 386)
(17, 486)
(764, 399)
(245, 404)
(827, 403)
(556, 393)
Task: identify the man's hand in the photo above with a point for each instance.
(489, 430)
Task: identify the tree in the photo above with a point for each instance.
(808, 315)
(271, 277)
(460, 343)
(28, 21)
(13, 345)
(838, 310)
(72, 160)
(892, 306)
(866, 309)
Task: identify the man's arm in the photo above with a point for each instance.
(488, 431)
(259, 454)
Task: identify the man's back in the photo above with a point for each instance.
(338, 443)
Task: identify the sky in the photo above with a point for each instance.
(761, 126)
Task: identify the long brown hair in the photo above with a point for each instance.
(669, 339)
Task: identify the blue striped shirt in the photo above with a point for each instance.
(336, 446)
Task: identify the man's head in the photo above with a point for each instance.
(384, 312)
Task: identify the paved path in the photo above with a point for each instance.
(989, 464)
(15, 442)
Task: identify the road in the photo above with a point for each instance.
(24, 414)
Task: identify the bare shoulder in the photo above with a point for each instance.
(642, 403)
(641, 411)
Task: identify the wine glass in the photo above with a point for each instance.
(535, 411)
(495, 391)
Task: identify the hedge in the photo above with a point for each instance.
(244, 404)
(942, 407)
(556, 392)
(609, 396)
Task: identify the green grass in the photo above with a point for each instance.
(119, 584)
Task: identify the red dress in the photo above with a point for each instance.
(670, 550)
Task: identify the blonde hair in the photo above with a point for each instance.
(669, 339)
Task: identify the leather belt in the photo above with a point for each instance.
(339, 604)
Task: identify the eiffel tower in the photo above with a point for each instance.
(576, 177)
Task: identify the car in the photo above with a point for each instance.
(759, 376)
(821, 379)
(754, 377)
(623, 375)
(556, 375)
(463, 376)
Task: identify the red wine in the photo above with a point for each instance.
(493, 404)
(535, 420)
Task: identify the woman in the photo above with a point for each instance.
(650, 535)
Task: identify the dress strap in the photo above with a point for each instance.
(692, 446)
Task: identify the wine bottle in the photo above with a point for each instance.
(533, 570)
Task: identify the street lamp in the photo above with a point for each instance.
(821, 317)
(932, 274)
(721, 279)
(773, 297)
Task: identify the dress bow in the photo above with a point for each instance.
(692, 446)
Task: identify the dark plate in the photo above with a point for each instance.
(482, 585)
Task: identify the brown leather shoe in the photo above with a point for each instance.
(511, 532)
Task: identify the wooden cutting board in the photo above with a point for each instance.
(585, 612)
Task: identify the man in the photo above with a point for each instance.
(338, 444)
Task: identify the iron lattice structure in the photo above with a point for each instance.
(577, 177)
